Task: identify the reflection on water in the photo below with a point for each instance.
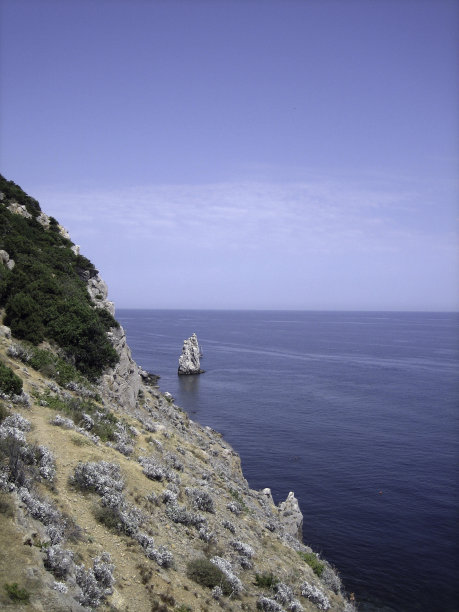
(189, 385)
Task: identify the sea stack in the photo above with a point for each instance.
(189, 359)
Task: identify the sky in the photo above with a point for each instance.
(273, 154)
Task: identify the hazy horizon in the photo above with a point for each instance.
(261, 155)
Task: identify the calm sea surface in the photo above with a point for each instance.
(356, 412)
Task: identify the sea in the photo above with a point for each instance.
(356, 412)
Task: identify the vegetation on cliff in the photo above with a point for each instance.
(44, 295)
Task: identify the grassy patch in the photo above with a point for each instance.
(104, 421)
(15, 593)
(6, 505)
(313, 561)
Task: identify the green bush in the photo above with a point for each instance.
(9, 382)
(4, 412)
(207, 574)
(313, 562)
(15, 593)
(266, 580)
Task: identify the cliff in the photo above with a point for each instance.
(111, 497)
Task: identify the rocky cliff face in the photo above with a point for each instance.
(189, 360)
(111, 497)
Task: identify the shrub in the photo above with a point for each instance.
(313, 562)
(15, 593)
(179, 514)
(59, 561)
(207, 574)
(284, 593)
(235, 508)
(228, 525)
(201, 500)
(315, 595)
(101, 477)
(268, 605)
(266, 580)
(152, 468)
(331, 579)
(4, 412)
(244, 549)
(9, 382)
(96, 583)
(225, 566)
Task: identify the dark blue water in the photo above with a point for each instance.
(355, 412)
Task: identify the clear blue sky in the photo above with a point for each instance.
(243, 153)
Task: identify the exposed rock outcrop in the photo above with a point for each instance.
(291, 516)
(189, 359)
(98, 290)
(6, 261)
(122, 383)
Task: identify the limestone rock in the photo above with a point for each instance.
(19, 209)
(122, 383)
(268, 495)
(189, 359)
(97, 289)
(6, 261)
(5, 331)
(291, 516)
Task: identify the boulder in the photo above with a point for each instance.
(189, 359)
(291, 516)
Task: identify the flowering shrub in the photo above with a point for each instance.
(59, 561)
(315, 595)
(331, 579)
(229, 526)
(217, 593)
(225, 567)
(206, 535)
(44, 512)
(61, 421)
(17, 421)
(101, 477)
(234, 507)
(46, 463)
(295, 606)
(179, 514)
(169, 496)
(11, 433)
(173, 462)
(103, 571)
(123, 439)
(269, 605)
(162, 556)
(152, 468)
(244, 549)
(86, 421)
(96, 583)
(201, 500)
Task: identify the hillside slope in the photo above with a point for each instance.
(111, 496)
